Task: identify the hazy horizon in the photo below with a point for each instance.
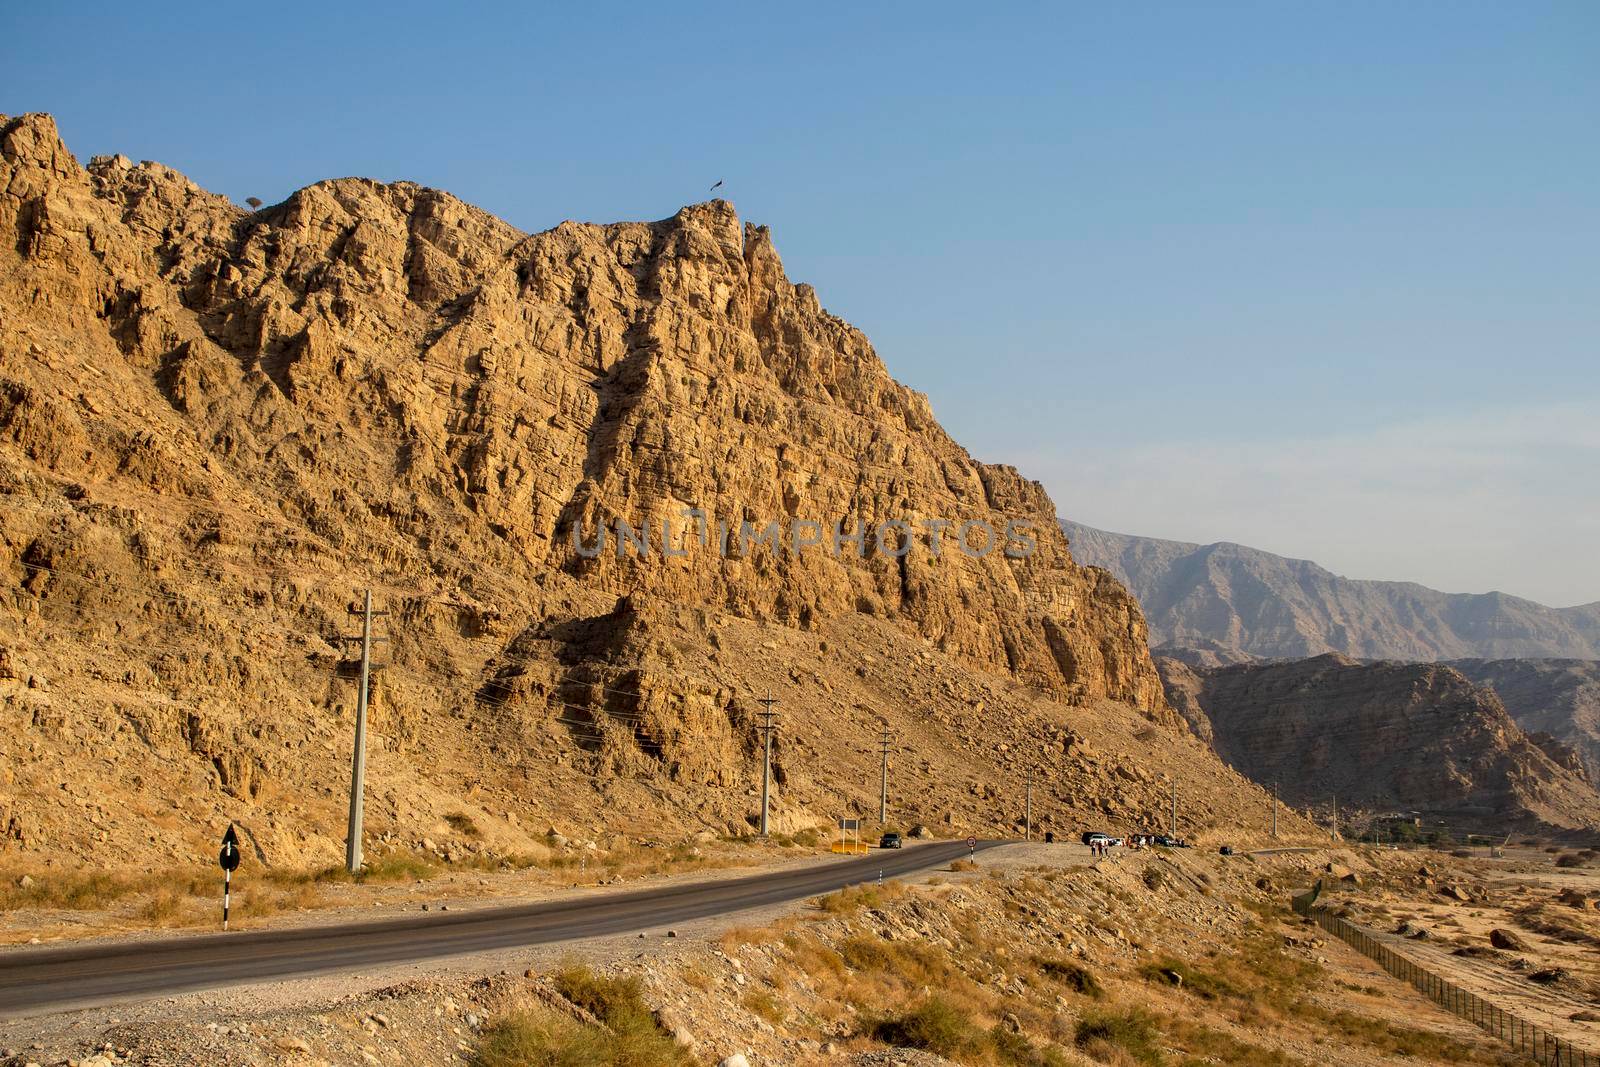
(1320, 281)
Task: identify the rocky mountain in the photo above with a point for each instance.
(1385, 736)
(1225, 599)
(1559, 697)
(219, 426)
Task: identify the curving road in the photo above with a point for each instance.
(33, 981)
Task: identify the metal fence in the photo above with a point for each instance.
(1524, 1037)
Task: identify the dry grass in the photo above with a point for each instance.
(937, 1024)
(389, 867)
(79, 890)
(857, 897)
(628, 1034)
(934, 1025)
(193, 895)
(462, 824)
(735, 937)
(1126, 1035)
(1205, 1044)
(540, 1038)
(1076, 978)
(762, 1003)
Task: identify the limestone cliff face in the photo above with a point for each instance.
(435, 362)
(1384, 735)
(215, 424)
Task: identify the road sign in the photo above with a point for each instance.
(229, 859)
(972, 848)
(851, 827)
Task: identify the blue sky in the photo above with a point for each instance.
(1273, 273)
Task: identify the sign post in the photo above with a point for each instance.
(972, 848)
(229, 859)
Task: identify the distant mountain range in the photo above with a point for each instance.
(1231, 603)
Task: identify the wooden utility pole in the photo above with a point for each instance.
(1174, 830)
(883, 779)
(1027, 811)
(767, 726)
(358, 759)
(1274, 810)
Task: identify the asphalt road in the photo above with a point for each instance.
(38, 980)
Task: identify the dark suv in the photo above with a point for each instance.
(891, 840)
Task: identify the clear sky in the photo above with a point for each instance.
(1319, 278)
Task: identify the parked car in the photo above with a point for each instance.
(1171, 842)
(1090, 835)
(890, 840)
(1097, 838)
(1225, 850)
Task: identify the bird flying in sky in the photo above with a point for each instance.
(717, 186)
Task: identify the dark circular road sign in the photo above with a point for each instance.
(229, 857)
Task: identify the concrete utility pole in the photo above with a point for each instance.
(1274, 810)
(358, 760)
(1174, 830)
(883, 780)
(1333, 818)
(767, 726)
(1027, 814)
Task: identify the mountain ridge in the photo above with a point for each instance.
(1385, 736)
(218, 426)
(1229, 596)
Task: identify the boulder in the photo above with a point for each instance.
(1501, 938)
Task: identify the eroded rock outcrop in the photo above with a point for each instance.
(1385, 736)
(216, 425)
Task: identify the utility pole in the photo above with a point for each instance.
(1333, 818)
(1027, 814)
(767, 726)
(358, 760)
(1274, 810)
(1174, 830)
(883, 780)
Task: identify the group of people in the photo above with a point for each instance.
(1102, 846)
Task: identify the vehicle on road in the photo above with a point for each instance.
(1090, 836)
(1171, 842)
(1225, 850)
(891, 840)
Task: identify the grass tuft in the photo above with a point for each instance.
(1130, 1032)
(628, 1035)
(1074, 977)
(933, 1025)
